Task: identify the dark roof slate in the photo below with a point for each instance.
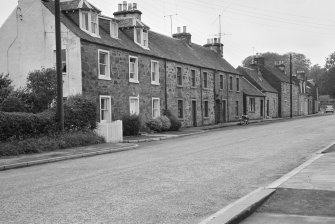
(160, 46)
(254, 77)
(275, 72)
(250, 89)
(74, 5)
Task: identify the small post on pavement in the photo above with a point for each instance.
(60, 108)
(291, 94)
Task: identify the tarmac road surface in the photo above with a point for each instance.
(181, 180)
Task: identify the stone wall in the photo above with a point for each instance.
(256, 114)
(285, 100)
(273, 104)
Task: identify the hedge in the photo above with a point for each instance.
(175, 123)
(131, 125)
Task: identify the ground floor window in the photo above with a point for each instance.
(155, 107)
(206, 108)
(134, 105)
(105, 109)
(252, 104)
(180, 109)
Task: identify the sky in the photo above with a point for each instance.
(248, 26)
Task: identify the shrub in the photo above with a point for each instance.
(50, 143)
(12, 104)
(166, 123)
(23, 125)
(5, 87)
(175, 123)
(155, 124)
(80, 113)
(131, 125)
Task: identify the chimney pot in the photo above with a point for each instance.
(178, 29)
(130, 7)
(124, 5)
(208, 41)
(184, 29)
(215, 40)
(120, 7)
(134, 6)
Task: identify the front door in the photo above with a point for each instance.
(217, 111)
(262, 106)
(224, 111)
(268, 108)
(194, 112)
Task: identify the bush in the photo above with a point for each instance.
(12, 104)
(155, 124)
(23, 125)
(50, 143)
(166, 123)
(175, 123)
(131, 125)
(80, 113)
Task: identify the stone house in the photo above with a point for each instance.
(253, 100)
(313, 92)
(121, 63)
(271, 94)
(277, 78)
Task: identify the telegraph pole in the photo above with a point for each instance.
(171, 19)
(291, 95)
(60, 107)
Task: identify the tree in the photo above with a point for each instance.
(5, 87)
(330, 61)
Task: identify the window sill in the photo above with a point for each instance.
(134, 81)
(104, 78)
(180, 86)
(155, 83)
(193, 87)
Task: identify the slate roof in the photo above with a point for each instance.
(275, 72)
(76, 4)
(249, 89)
(160, 46)
(256, 79)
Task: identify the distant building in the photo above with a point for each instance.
(253, 101)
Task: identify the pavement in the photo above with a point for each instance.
(304, 195)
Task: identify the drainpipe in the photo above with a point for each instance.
(215, 115)
(165, 93)
(202, 111)
(228, 108)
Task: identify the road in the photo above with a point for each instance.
(180, 180)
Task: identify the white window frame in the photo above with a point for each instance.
(156, 73)
(135, 79)
(144, 39)
(158, 109)
(221, 77)
(181, 76)
(107, 76)
(114, 34)
(89, 30)
(137, 110)
(109, 108)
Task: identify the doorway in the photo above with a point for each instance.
(194, 113)
(262, 108)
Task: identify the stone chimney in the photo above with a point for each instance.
(301, 75)
(280, 65)
(126, 11)
(215, 45)
(182, 35)
(259, 59)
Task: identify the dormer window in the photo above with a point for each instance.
(114, 30)
(89, 22)
(141, 37)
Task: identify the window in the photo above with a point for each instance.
(180, 109)
(252, 105)
(133, 69)
(236, 108)
(104, 64)
(155, 72)
(179, 77)
(205, 80)
(193, 83)
(230, 83)
(221, 81)
(134, 105)
(89, 22)
(237, 84)
(156, 108)
(114, 30)
(64, 67)
(141, 37)
(105, 109)
(206, 109)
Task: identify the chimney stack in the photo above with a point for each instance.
(280, 65)
(127, 11)
(130, 6)
(124, 5)
(119, 7)
(134, 6)
(215, 45)
(183, 36)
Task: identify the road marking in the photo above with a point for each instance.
(325, 148)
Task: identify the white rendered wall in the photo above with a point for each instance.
(27, 43)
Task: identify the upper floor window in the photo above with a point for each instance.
(237, 84)
(133, 69)
(230, 83)
(89, 22)
(193, 83)
(141, 37)
(114, 30)
(179, 77)
(221, 81)
(155, 72)
(205, 80)
(104, 64)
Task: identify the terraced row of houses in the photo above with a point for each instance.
(130, 69)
